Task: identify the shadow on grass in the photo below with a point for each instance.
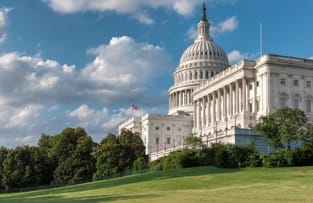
(60, 199)
(115, 182)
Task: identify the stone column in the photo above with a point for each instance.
(225, 104)
(230, 105)
(219, 104)
(203, 109)
(208, 111)
(195, 115)
(244, 105)
(236, 98)
(187, 97)
(214, 108)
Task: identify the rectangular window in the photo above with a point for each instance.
(308, 84)
(308, 106)
(257, 83)
(283, 102)
(296, 83)
(157, 127)
(168, 128)
(250, 107)
(296, 103)
(283, 81)
(157, 140)
(257, 106)
(168, 140)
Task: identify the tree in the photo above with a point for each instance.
(107, 156)
(116, 155)
(132, 148)
(73, 151)
(281, 127)
(306, 135)
(22, 168)
(3, 154)
(193, 141)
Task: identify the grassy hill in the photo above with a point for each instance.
(202, 184)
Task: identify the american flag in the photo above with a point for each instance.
(134, 107)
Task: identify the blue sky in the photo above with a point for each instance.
(69, 63)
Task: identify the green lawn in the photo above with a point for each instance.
(203, 184)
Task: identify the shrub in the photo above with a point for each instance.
(140, 164)
(280, 158)
(302, 156)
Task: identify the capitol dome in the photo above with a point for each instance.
(205, 50)
(200, 62)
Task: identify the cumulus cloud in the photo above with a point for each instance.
(36, 93)
(121, 66)
(103, 120)
(235, 56)
(3, 22)
(134, 8)
(227, 25)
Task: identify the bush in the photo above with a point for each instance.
(278, 158)
(302, 156)
(140, 164)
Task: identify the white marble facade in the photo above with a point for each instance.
(221, 103)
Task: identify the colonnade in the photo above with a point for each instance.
(181, 98)
(223, 104)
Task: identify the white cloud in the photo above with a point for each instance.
(227, 25)
(311, 57)
(235, 56)
(100, 121)
(192, 33)
(35, 94)
(121, 66)
(134, 8)
(3, 22)
(125, 66)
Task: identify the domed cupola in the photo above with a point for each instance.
(199, 62)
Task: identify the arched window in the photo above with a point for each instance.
(283, 100)
(206, 74)
(201, 74)
(190, 75)
(196, 75)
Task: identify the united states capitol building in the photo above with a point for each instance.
(220, 103)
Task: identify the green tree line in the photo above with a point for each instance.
(70, 157)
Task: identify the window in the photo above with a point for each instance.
(257, 83)
(296, 103)
(179, 129)
(257, 106)
(250, 87)
(283, 101)
(296, 83)
(157, 140)
(250, 107)
(283, 81)
(168, 128)
(168, 140)
(157, 127)
(308, 106)
(308, 83)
